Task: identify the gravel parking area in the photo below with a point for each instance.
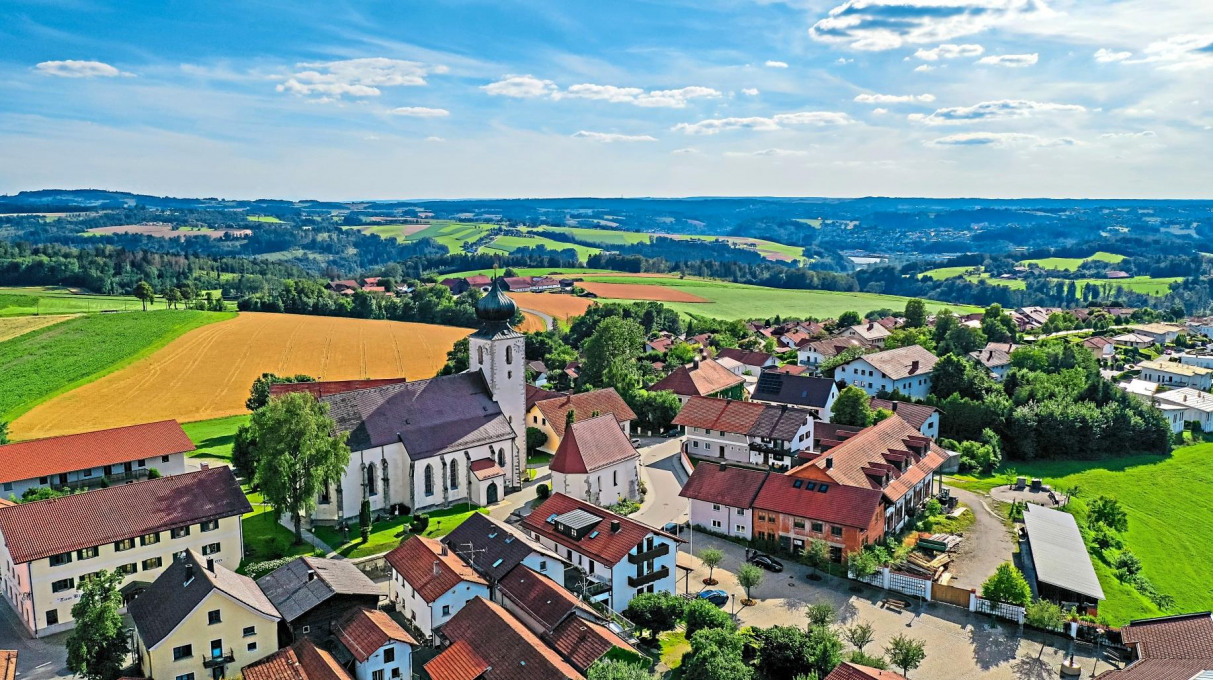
(988, 544)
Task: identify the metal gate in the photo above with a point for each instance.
(1001, 610)
(951, 595)
(909, 585)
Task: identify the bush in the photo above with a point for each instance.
(543, 491)
(1044, 614)
(934, 508)
(859, 658)
(701, 615)
(1126, 565)
(153, 473)
(1008, 585)
(420, 524)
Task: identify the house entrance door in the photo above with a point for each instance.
(490, 494)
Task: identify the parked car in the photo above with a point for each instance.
(635, 442)
(766, 562)
(716, 597)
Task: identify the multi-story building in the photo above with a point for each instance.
(493, 548)
(94, 459)
(551, 416)
(706, 378)
(722, 498)
(1175, 374)
(380, 648)
(906, 370)
(486, 642)
(596, 462)
(744, 431)
(805, 391)
(48, 548)
(430, 583)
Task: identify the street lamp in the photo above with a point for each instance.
(733, 597)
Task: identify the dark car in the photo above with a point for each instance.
(766, 562)
(716, 597)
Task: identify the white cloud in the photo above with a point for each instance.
(924, 68)
(778, 153)
(1000, 139)
(889, 24)
(995, 110)
(685, 150)
(771, 63)
(609, 137)
(419, 112)
(72, 68)
(843, 61)
(949, 51)
(750, 91)
(530, 87)
(522, 87)
(1144, 134)
(1011, 60)
(432, 138)
(1180, 52)
(356, 77)
(712, 126)
(880, 111)
(867, 98)
(1107, 56)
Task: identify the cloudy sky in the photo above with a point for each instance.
(509, 98)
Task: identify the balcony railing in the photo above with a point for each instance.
(98, 480)
(659, 550)
(219, 658)
(651, 577)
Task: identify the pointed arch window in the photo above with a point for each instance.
(428, 480)
(454, 475)
(370, 480)
(480, 354)
(500, 456)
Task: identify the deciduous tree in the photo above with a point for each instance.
(98, 645)
(1007, 584)
(144, 293)
(711, 558)
(859, 634)
(749, 576)
(906, 653)
(655, 612)
(852, 407)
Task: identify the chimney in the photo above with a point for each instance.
(723, 467)
(615, 526)
(189, 572)
(695, 364)
(311, 574)
(443, 553)
(830, 463)
(914, 366)
(894, 406)
(210, 564)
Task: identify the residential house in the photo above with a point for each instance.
(618, 556)
(744, 431)
(1186, 405)
(722, 498)
(531, 284)
(93, 459)
(1201, 326)
(1103, 348)
(660, 344)
(792, 339)
(1195, 357)
(996, 360)
(1175, 374)
(540, 370)
(379, 647)
(596, 462)
(922, 417)
(551, 416)
(312, 594)
(1160, 333)
(343, 287)
(791, 511)
(1036, 316)
(486, 642)
(816, 394)
(870, 331)
(906, 370)
(199, 619)
(1166, 647)
(737, 368)
(430, 583)
(815, 352)
(754, 362)
(706, 378)
(853, 671)
(1142, 389)
(50, 547)
(301, 661)
(493, 548)
(1133, 340)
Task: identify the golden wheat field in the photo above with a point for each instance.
(558, 306)
(532, 323)
(12, 326)
(206, 373)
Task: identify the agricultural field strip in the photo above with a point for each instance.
(13, 326)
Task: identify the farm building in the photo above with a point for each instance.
(1060, 562)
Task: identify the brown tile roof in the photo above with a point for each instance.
(539, 597)
(457, 662)
(914, 414)
(301, 661)
(592, 444)
(583, 641)
(718, 483)
(325, 388)
(789, 369)
(496, 547)
(608, 547)
(838, 504)
(365, 631)
(508, 648)
(534, 394)
(8, 664)
(584, 405)
(902, 362)
(851, 671)
(877, 448)
(1098, 342)
(178, 591)
(54, 455)
(486, 468)
(703, 378)
(991, 358)
(301, 585)
(831, 347)
(1167, 648)
(745, 357)
(83, 520)
(429, 567)
(743, 417)
(478, 280)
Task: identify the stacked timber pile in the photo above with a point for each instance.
(922, 565)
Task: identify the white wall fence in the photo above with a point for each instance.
(923, 589)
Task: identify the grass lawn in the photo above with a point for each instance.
(213, 438)
(28, 300)
(263, 218)
(538, 458)
(945, 272)
(451, 234)
(1072, 263)
(674, 645)
(509, 244)
(530, 271)
(1170, 521)
(388, 533)
(266, 539)
(1138, 284)
(606, 237)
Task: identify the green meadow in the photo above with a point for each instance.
(1072, 263)
(28, 300)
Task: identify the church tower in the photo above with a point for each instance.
(499, 353)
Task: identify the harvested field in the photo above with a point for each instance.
(206, 373)
(632, 291)
(167, 231)
(12, 326)
(532, 323)
(557, 306)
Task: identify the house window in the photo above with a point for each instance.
(377, 674)
(249, 631)
(741, 512)
(501, 456)
(153, 563)
(61, 559)
(429, 480)
(150, 539)
(185, 676)
(371, 490)
(179, 532)
(163, 459)
(127, 569)
(798, 523)
(715, 506)
(252, 646)
(741, 528)
(52, 617)
(210, 549)
(389, 655)
(62, 585)
(183, 652)
(715, 524)
(209, 525)
(835, 531)
(214, 617)
(615, 477)
(818, 527)
(446, 610)
(124, 545)
(8, 486)
(43, 480)
(141, 463)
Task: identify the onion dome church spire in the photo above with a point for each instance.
(496, 307)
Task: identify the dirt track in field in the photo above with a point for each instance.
(206, 373)
(637, 291)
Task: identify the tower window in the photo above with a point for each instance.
(509, 355)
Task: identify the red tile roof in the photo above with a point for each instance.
(54, 455)
(584, 405)
(83, 520)
(871, 448)
(301, 661)
(1167, 648)
(583, 641)
(745, 357)
(486, 468)
(831, 347)
(8, 664)
(429, 567)
(790, 369)
(743, 417)
(839, 504)
(538, 596)
(730, 486)
(366, 631)
(592, 444)
(326, 387)
(536, 394)
(509, 650)
(457, 662)
(703, 378)
(608, 547)
(851, 671)
(914, 414)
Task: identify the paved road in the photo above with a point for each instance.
(986, 546)
(663, 475)
(547, 318)
(37, 659)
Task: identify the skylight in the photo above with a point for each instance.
(497, 563)
(796, 484)
(594, 534)
(551, 518)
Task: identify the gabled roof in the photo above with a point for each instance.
(178, 591)
(430, 567)
(457, 662)
(851, 671)
(1167, 648)
(1176, 368)
(584, 405)
(301, 585)
(1098, 342)
(1058, 551)
(301, 661)
(583, 641)
(592, 444)
(494, 546)
(1187, 397)
(871, 448)
(745, 357)
(326, 388)
(797, 390)
(508, 650)
(702, 378)
(991, 358)
(871, 330)
(365, 631)
(838, 504)
(486, 469)
(831, 347)
(902, 362)
(431, 417)
(730, 486)
(606, 546)
(55, 455)
(540, 597)
(914, 414)
(83, 520)
(536, 394)
(743, 417)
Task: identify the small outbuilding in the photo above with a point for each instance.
(1062, 566)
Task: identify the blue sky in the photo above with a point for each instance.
(463, 98)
